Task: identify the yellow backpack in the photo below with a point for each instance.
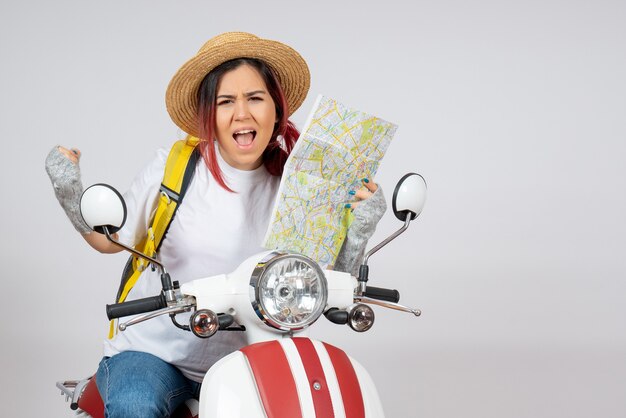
(179, 170)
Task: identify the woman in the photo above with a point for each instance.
(235, 95)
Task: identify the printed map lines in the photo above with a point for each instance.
(338, 146)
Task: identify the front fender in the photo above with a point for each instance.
(289, 378)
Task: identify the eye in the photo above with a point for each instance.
(222, 102)
(256, 98)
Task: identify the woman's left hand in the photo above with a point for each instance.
(364, 193)
(366, 211)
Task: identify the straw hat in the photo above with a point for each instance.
(288, 66)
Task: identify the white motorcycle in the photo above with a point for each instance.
(275, 296)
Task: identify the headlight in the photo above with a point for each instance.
(288, 291)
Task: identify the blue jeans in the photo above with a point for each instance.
(138, 385)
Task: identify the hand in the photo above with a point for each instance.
(369, 209)
(72, 154)
(364, 193)
(64, 172)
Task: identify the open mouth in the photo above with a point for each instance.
(244, 137)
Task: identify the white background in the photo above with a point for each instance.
(513, 111)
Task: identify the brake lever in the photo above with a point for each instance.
(390, 305)
(176, 309)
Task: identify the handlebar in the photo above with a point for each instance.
(380, 293)
(134, 307)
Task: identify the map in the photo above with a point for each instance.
(337, 148)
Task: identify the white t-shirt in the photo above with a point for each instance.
(212, 232)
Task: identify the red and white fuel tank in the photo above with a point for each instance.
(289, 378)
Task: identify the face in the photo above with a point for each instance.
(245, 116)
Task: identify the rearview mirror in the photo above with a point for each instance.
(101, 205)
(409, 196)
(408, 201)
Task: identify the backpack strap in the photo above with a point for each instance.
(179, 169)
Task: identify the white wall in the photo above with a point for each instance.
(513, 111)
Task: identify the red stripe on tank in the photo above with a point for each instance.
(274, 380)
(348, 382)
(316, 378)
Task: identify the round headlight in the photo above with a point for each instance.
(288, 291)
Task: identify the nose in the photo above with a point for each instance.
(241, 109)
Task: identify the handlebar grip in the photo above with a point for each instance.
(134, 307)
(380, 293)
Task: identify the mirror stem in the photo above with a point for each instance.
(132, 250)
(393, 236)
(166, 281)
(364, 269)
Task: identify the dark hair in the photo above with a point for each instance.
(275, 154)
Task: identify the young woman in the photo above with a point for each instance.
(235, 95)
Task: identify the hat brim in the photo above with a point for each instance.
(288, 66)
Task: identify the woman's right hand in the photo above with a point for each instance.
(64, 172)
(72, 154)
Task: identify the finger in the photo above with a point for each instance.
(363, 194)
(369, 185)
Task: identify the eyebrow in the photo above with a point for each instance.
(248, 94)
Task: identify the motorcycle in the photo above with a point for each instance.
(275, 297)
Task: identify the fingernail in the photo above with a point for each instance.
(366, 180)
(352, 192)
(348, 206)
